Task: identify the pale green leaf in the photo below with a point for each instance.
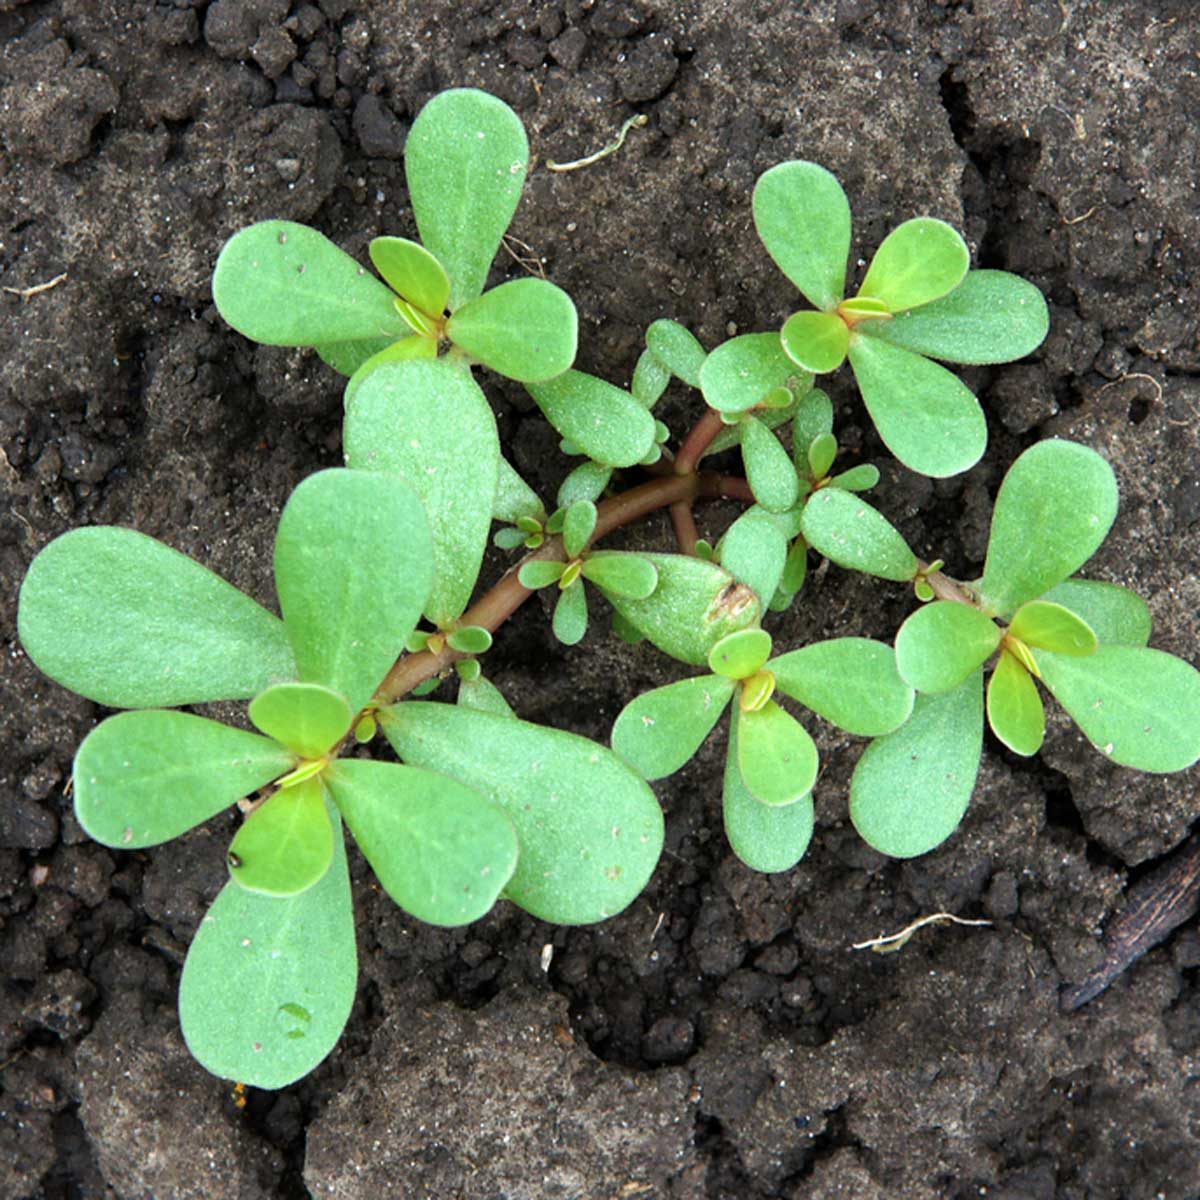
(1014, 708)
(816, 341)
(347, 357)
(286, 844)
(570, 619)
(540, 573)
(605, 422)
(814, 417)
(620, 573)
(484, 696)
(754, 550)
(412, 272)
(740, 655)
(514, 497)
(661, 730)
(740, 373)
(650, 379)
(586, 482)
(1118, 616)
(849, 532)
(1043, 625)
(916, 263)
(578, 526)
(677, 349)
(857, 479)
(307, 718)
(470, 639)
(406, 349)
(943, 643)
(776, 757)
(769, 468)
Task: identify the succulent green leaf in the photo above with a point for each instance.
(864, 306)
(918, 262)
(776, 758)
(570, 615)
(1055, 507)
(412, 272)
(814, 417)
(515, 499)
(578, 526)
(347, 357)
(405, 350)
(1014, 708)
(142, 778)
(1118, 616)
(803, 219)
(821, 453)
(816, 341)
(661, 730)
(483, 696)
(650, 379)
(849, 532)
(465, 161)
(740, 655)
(589, 828)
(852, 682)
(1138, 707)
(795, 569)
(695, 604)
(991, 317)
(742, 372)
(857, 479)
(540, 573)
(352, 568)
(677, 349)
(470, 639)
(441, 850)
(1044, 625)
(927, 417)
(269, 981)
(307, 718)
(620, 573)
(731, 435)
(605, 422)
(943, 643)
(754, 549)
(525, 329)
(286, 845)
(769, 469)
(288, 285)
(911, 788)
(128, 622)
(586, 482)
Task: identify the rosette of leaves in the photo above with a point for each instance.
(284, 284)
(771, 762)
(918, 302)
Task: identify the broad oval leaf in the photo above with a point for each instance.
(740, 655)
(755, 549)
(405, 350)
(1118, 616)
(412, 272)
(1055, 507)
(142, 778)
(816, 341)
(1138, 707)
(589, 828)
(803, 218)
(586, 482)
(1014, 708)
(943, 643)
(540, 573)
(918, 262)
(677, 349)
(621, 573)
(353, 568)
(740, 373)
(849, 532)
(769, 468)
(465, 161)
(269, 981)
(911, 788)
(604, 421)
(128, 622)
(305, 717)
(441, 851)
(776, 757)
(659, 731)
(1047, 626)
(286, 845)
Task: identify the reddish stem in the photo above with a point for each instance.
(686, 533)
(696, 442)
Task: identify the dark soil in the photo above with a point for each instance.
(719, 1038)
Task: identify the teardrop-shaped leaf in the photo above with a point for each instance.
(754, 549)
(776, 757)
(852, 682)
(816, 341)
(677, 349)
(1118, 616)
(347, 357)
(589, 828)
(943, 643)
(352, 567)
(128, 622)
(695, 604)
(288, 285)
(803, 219)
(650, 379)
(269, 981)
(911, 788)
(578, 527)
(441, 850)
(661, 730)
(740, 655)
(142, 778)
(740, 373)
(307, 718)
(991, 317)
(484, 696)
(1014, 708)
(620, 573)
(470, 639)
(465, 161)
(814, 417)
(412, 272)
(408, 349)
(769, 468)
(430, 423)
(285, 845)
(857, 479)
(1055, 507)
(916, 263)
(525, 329)
(605, 422)
(927, 417)
(1043, 625)
(586, 482)
(570, 618)
(1138, 707)
(540, 573)
(849, 532)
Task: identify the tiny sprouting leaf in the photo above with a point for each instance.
(578, 526)
(128, 622)
(740, 655)
(1118, 616)
(1014, 708)
(269, 981)
(589, 828)
(426, 687)
(814, 416)
(766, 837)
(650, 379)
(483, 696)
(468, 669)
(570, 619)
(741, 373)
(756, 691)
(927, 417)
(1139, 707)
(1043, 625)
(465, 162)
(816, 341)
(288, 285)
(795, 569)
(305, 717)
(417, 641)
(441, 850)
(605, 422)
(1055, 507)
(859, 307)
(470, 639)
(397, 422)
(849, 532)
(655, 452)
(142, 778)
(821, 453)
(923, 589)
(540, 573)
(586, 482)
(776, 758)
(515, 499)
(943, 643)
(857, 479)
(991, 317)
(412, 272)
(918, 262)
(620, 573)
(407, 349)
(769, 469)
(754, 549)
(286, 844)
(525, 329)
(365, 730)
(659, 731)
(911, 788)
(803, 218)
(352, 568)
(852, 682)
(677, 349)
(347, 357)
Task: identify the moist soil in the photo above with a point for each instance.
(720, 1038)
